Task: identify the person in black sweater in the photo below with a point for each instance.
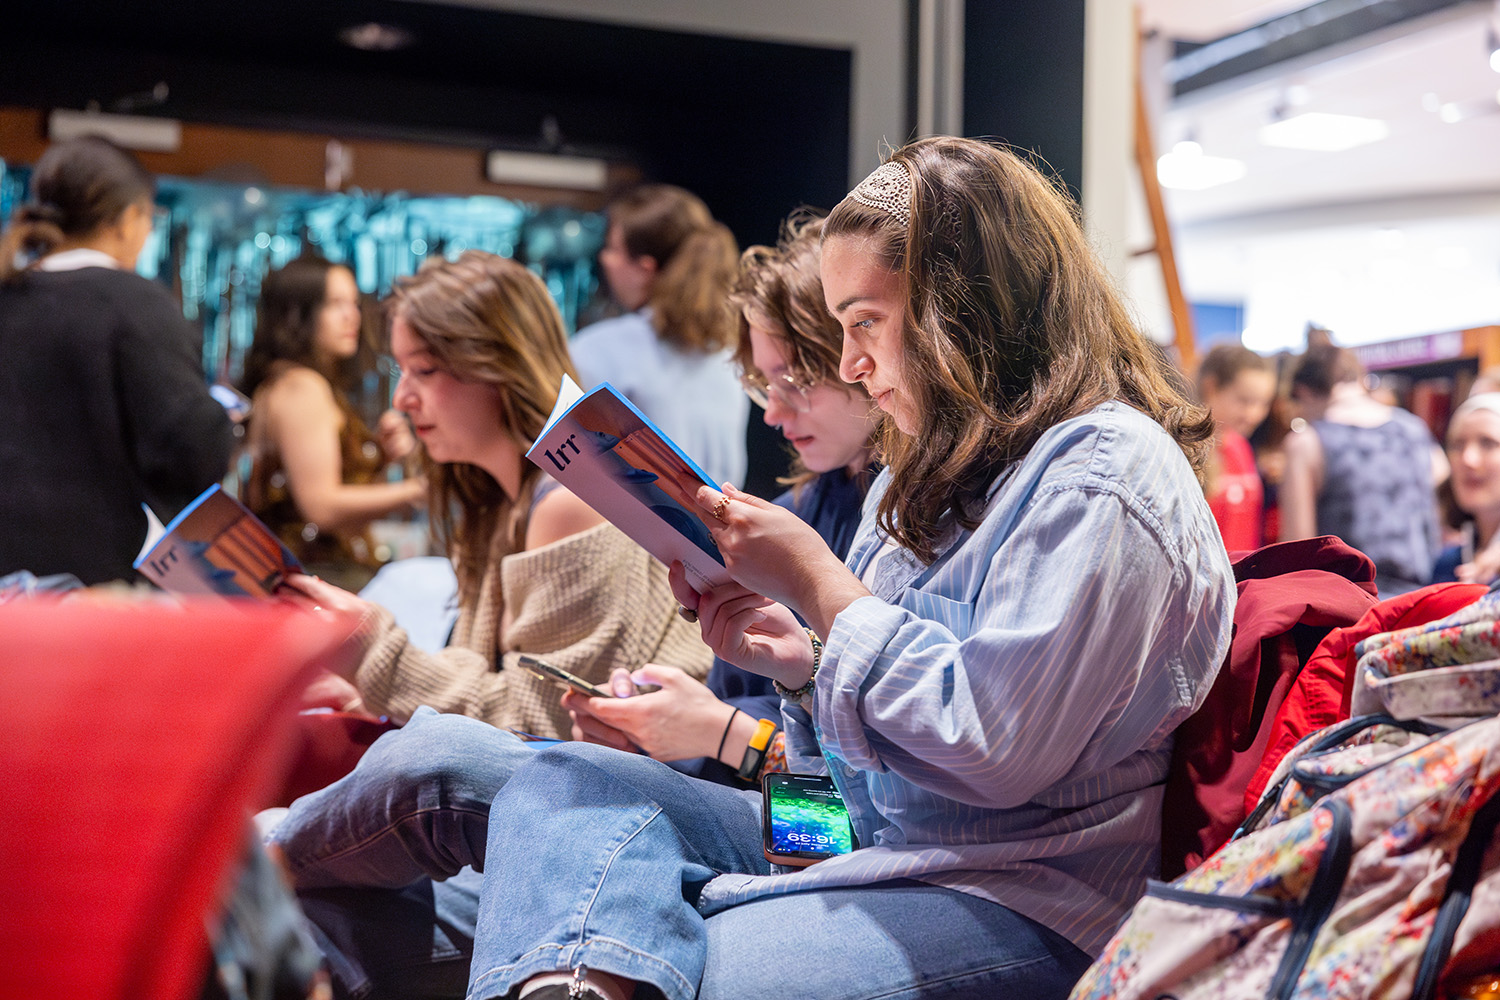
(103, 401)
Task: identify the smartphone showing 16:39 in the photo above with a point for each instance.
(804, 819)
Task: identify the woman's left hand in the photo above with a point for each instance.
(771, 551)
(748, 630)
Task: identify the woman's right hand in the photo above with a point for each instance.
(681, 721)
(395, 436)
(750, 631)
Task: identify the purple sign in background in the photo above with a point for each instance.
(1411, 350)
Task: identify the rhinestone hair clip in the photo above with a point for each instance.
(888, 188)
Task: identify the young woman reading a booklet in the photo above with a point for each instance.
(482, 352)
(788, 352)
(1035, 597)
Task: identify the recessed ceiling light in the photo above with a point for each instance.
(1327, 133)
(1187, 168)
(375, 37)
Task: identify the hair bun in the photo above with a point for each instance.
(39, 211)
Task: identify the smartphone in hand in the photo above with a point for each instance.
(558, 675)
(803, 819)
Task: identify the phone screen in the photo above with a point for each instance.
(805, 818)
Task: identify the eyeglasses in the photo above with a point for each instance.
(787, 390)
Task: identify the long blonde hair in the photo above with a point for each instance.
(486, 319)
(695, 256)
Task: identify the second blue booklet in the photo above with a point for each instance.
(613, 458)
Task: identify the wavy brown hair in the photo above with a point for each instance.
(286, 326)
(78, 187)
(696, 258)
(486, 319)
(783, 284)
(1012, 325)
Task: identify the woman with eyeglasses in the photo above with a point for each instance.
(103, 401)
(788, 352)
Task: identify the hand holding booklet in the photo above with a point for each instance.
(613, 458)
(216, 546)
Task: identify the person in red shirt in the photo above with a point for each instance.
(1237, 385)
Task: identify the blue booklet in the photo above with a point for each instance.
(216, 546)
(613, 458)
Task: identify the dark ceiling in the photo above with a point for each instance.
(757, 128)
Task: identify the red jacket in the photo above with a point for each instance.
(1323, 689)
(1290, 595)
(138, 735)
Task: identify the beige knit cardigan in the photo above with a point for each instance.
(587, 603)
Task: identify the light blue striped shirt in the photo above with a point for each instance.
(1000, 721)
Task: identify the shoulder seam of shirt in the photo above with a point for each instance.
(1091, 482)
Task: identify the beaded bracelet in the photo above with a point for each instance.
(799, 693)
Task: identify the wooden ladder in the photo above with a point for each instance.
(1145, 158)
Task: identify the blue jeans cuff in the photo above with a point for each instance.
(603, 954)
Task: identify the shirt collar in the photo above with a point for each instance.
(72, 260)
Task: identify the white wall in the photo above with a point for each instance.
(874, 30)
(1114, 205)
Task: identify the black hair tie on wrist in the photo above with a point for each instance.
(720, 752)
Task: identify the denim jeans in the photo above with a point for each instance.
(386, 860)
(597, 858)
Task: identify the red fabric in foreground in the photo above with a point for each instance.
(1290, 595)
(134, 741)
(328, 745)
(1325, 687)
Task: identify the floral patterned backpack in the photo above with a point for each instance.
(1374, 880)
(1445, 671)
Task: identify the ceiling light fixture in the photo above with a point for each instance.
(1492, 42)
(1323, 132)
(1188, 168)
(546, 170)
(149, 134)
(375, 37)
